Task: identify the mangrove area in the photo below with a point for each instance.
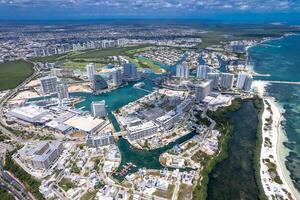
(234, 172)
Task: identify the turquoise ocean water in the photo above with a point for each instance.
(281, 59)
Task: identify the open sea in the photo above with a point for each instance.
(281, 59)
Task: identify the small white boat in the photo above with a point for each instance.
(139, 85)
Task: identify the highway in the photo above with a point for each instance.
(7, 181)
(13, 185)
(6, 97)
(11, 189)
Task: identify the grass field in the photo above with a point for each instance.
(66, 184)
(89, 195)
(79, 65)
(13, 73)
(145, 63)
(98, 53)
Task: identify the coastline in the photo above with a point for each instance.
(282, 151)
(279, 150)
(272, 152)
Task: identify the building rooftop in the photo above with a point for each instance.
(84, 123)
(28, 113)
(147, 125)
(39, 151)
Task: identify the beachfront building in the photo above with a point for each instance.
(98, 109)
(41, 155)
(90, 71)
(62, 92)
(244, 81)
(215, 79)
(99, 83)
(227, 80)
(248, 83)
(183, 71)
(203, 90)
(48, 85)
(130, 72)
(99, 140)
(117, 77)
(202, 71)
(141, 131)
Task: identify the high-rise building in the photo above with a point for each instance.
(98, 109)
(130, 72)
(99, 83)
(203, 90)
(48, 85)
(202, 71)
(215, 77)
(62, 91)
(248, 83)
(117, 77)
(90, 70)
(241, 80)
(227, 80)
(183, 71)
(244, 81)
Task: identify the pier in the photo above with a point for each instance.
(284, 82)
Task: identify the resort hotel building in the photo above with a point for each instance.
(41, 155)
(48, 85)
(98, 109)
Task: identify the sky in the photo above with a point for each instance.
(277, 10)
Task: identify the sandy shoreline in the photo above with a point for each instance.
(273, 152)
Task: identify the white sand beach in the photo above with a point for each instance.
(272, 149)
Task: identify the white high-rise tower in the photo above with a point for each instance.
(90, 70)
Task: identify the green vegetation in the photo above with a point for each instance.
(80, 65)
(225, 126)
(222, 32)
(31, 184)
(204, 120)
(165, 194)
(15, 131)
(185, 192)
(66, 184)
(79, 59)
(272, 169)
(75, 169)
(3, 137)
(145, 63)
(98, 53)
(89, 195)
(49, 59)
(14, 73)
(259, 105)
(96, 164)
(5, 195)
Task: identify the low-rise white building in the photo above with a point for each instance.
(29, 113)
(142, 131)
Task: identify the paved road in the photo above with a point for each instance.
(11, 189)
(10, 94)
(13, 185)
